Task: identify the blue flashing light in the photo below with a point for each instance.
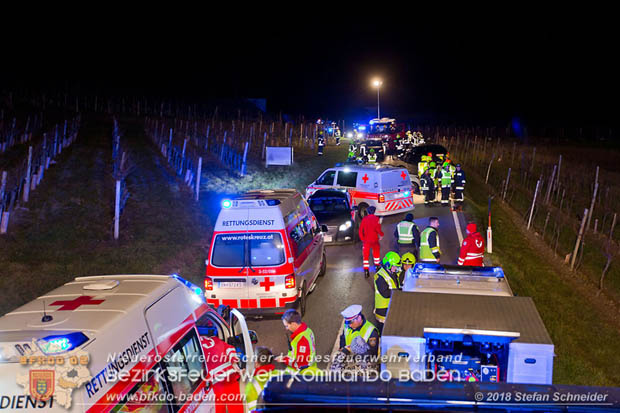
(330, 130)
(362, 127)
(61, 343)
(195, 289)
(227, 203)
(407, 193)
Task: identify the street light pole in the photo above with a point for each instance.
(377, 83)
(378, 111)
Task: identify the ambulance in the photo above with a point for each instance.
(266, 253)
(389, 189)
(114, 343)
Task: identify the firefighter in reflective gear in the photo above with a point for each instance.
(361, 154)
(446, 184)
(386, 280)
(321, 143)
(427, 186)
(452, 169)
(355, 324)
(459, 187)
(370, 234)
(407, 235)
(429, 242)
(224, 373)
(472, 249)
(263, 372)
(432, 171)
(352, 147)
(409, 139)
(372, 157)
(337, 135)
(407, 261)
(302, 350)
(423, 164)
(351, 156)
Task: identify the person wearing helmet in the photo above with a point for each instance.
(407, 235)
(423, 164)
(370, 234)
(386, 280)
(446, 184)
(321, 143)
(432, 171)
(427, 186)
(407, 262)
(372, 157)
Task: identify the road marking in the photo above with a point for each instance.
(457, 223)
(336, 346)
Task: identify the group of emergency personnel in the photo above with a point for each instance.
(441, 181)
(321, 140)
(358, 153)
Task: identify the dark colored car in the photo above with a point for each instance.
(415, 155)
(377, 145)
(332, 208)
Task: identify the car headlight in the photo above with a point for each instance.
(345, 226)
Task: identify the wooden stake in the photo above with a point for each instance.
(583, 224)
(198, 173)
(26, 193)
(529, 221)
(117, 209)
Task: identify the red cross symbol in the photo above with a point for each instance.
(73, 304)
(365, 178)
(267, 283)
(403, 175)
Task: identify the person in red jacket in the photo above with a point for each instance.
(472, 250)
(224, 373)
(370, 233)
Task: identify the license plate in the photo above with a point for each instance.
(230, 284)
(328, 238)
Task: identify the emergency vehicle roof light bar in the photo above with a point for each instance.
(438, 269)
(61, 343)
(197, 290)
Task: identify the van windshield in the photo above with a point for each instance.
(264, 249)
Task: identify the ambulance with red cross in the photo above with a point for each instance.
(137, 338)
(389, 189)
(266, 253)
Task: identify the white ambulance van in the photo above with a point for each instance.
(266, 253)
(114, 343)
(389, 189)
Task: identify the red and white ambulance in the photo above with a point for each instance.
(266, 253)
(389, 189)
(139, 336)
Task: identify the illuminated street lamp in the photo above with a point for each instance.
(377, 83)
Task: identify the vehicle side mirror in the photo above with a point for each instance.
(324, 228)
(253, 336)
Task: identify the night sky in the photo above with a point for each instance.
(546, 69)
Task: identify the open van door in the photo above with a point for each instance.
(243, 339)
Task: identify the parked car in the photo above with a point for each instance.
(332, 207)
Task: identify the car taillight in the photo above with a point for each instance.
(381, 198)
(289, 281)
(208, 284)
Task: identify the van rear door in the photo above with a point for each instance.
(396, 189)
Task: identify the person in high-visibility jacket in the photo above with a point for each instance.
(459, 187)
(407, 235)
(263, 372)
(427, 186)
(432, 171)
(407, 261)
(224, 374)
(320, 143)
(446, 184)
(386, 280)
(472, 249)
(372, 157)
(429, 242)
(424, 163)
(355, 324)
(302, 348)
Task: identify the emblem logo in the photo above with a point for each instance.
(41, 384)
(254, 281)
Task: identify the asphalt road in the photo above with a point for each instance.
(344, 283)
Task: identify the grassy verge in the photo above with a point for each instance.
(585, 336)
